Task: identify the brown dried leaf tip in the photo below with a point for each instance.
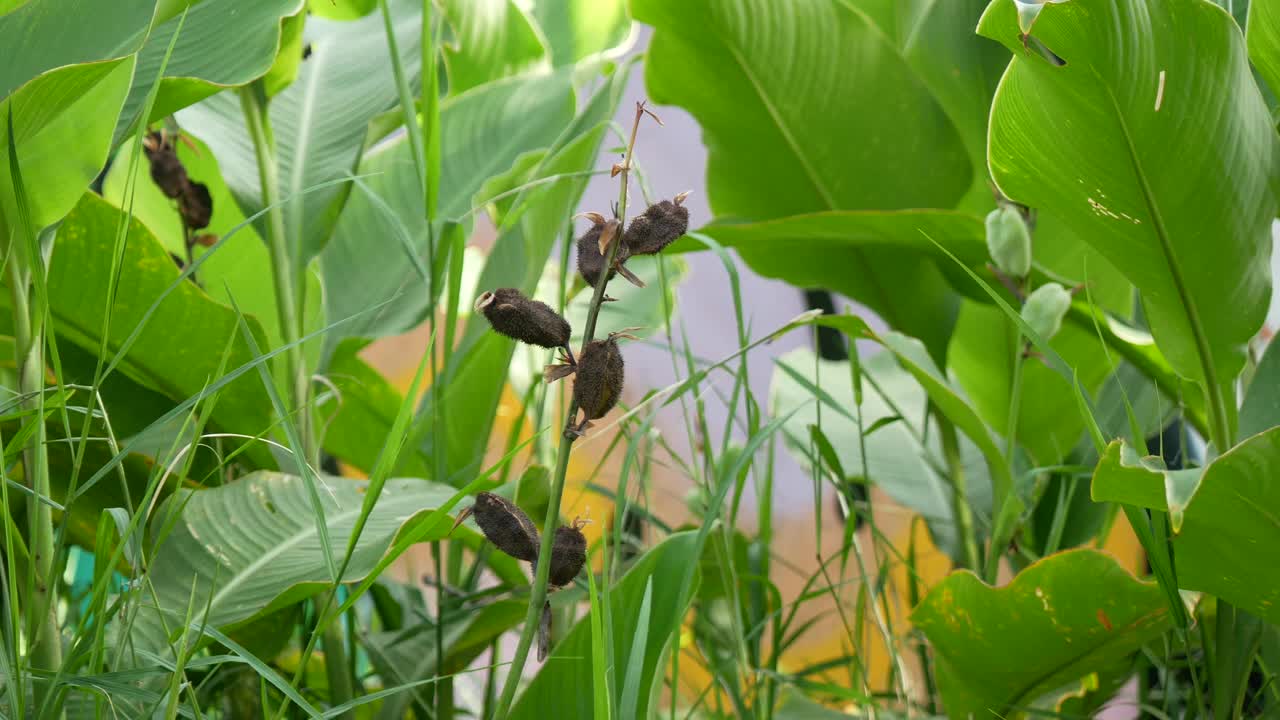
(544, 632)
(659, 226)
(503, 524)
(512, 314)
(593, 246)
(598, 383)
(568, 553)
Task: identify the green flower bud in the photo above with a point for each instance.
(1008, 242)
(1045, 309)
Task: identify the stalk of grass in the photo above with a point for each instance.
(25, 268)
(539, 590)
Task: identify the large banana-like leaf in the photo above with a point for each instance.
(62, 124)
(1223, 516)
(1063, 617)
(809, 107)
(250, 547)
(492, 39)
(319, 121)
(223, 43)
(482, 133)
(46, 34)
(1145, 132)
(578, 29)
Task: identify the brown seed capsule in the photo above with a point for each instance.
(167, 170)
(598, 383)
(195, 205)
(658, 226)
(529, 321)
(592, 247)
(505, 525)
(568, 553)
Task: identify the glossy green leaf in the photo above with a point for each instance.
(565, 680)
(482, 134)
(492, 39)
(250, 547)
(903, 458)
(1261, 409)
(46, 34)
(180, 348)
(578, 29)
(62, 125)
(341, 9)
(1128, 99)
(960, 68)
(1000, 649)
(223, 43)
(1263, 38)
(319, 121)
(1228, 519)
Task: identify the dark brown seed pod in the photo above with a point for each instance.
(195, 205)
(598, 383)
(544, 632)
(529, 321)
(568, 553)
(167, 171)
(658, 226)
(592, 246)
(505, 525)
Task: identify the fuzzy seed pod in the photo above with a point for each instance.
(568, 553)
(598, 383)
(1009, 242)
(520, 318)
(658, 226)
(1045, 308)
(195, 205)
(505, 525)
(592, 247)
(167, 170)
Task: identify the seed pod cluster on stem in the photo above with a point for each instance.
(195, 204)
(512, 531)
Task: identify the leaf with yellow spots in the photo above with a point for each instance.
(1059, 620)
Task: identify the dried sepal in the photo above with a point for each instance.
(544, 632)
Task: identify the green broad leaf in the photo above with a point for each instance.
(981, 358)
(576, 30)
(866, 255)
(319, 121)
(492, 39)
(903, 458)
(1261, 409)
(341, 9)
(960, 68)
(223, 43)
(473, 382)
(42, 35)
(1221, 524)
(250, 548)
(795, 133)
(1263, 37)
(289, 56)
(1091, 141)
(359, 418)
(565, 681)
(62, 125)
(180, 346)
(999, 649)
(483, 132)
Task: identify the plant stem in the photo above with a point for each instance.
(42, 611)
(286, 275)
(538, 593)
